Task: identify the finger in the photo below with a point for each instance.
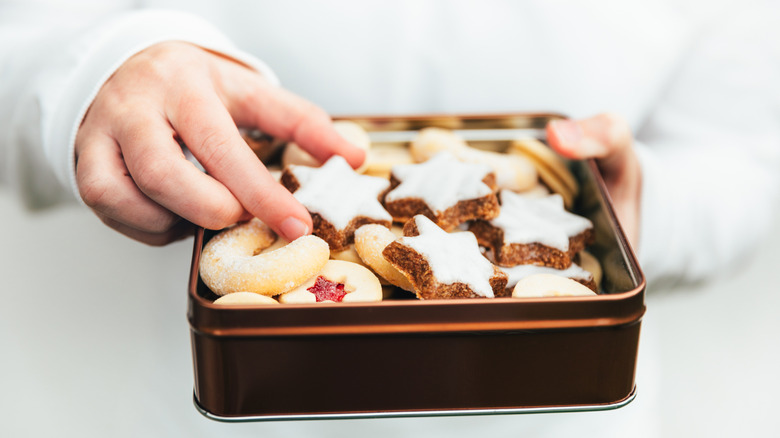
(158, 166)
(106, 186)
(211, 135)
(285, 115)
(180, 230)
(605, 136)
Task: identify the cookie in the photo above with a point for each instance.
(551, 167)
(548, 285)
(512, 172)
(338, 199)
(573, 272)
(443, 189)
(338, 281)
(444, 265)
(532, 230)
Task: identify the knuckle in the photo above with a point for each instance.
(218, 215)
(215, 149)
(162, 222)
(96, 193)
(152, 176)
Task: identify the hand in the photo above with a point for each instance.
(131, 170)
(607, 138)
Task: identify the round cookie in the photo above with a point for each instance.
(237, 260)
(549, 285)
(337, 281)
(244, 298)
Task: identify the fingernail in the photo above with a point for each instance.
(293, 228)
(568, 131)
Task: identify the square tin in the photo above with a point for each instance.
(409, 357)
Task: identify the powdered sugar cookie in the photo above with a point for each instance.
(235, 260)
(531, 230)
(444, 265)
(549, 285)
(447, 191)
(370, 241)
(244, 298)
(338, 281)
(339, 199)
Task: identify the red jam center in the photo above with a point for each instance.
(326, 290)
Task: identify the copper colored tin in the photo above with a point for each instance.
(408, 357)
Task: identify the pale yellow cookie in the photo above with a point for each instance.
(431, 141)
(549, 285)
(347, 255)
(244, 298)
(591, 264)
(235, 260)
(380, 159)
(545, 157)
(370, 241)
(337, 281)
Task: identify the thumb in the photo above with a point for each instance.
(606, 137)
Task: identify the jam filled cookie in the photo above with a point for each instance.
(532, 230)
(444, 265)
(338, 199)
(338, 281)
(443, 189)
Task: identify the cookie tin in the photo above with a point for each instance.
(406, 357)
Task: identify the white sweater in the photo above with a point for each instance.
(697, 81)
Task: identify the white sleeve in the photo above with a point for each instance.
(710, 152)
(50, 76)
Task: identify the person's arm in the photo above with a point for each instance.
(706, 163)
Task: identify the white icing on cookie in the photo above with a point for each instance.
(529, 219)
(440, 182)
(453, 257)
(517, 273)
(338, 193)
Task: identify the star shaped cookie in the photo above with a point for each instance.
(444, 265)
(444, 189)
(534, 230)
(339, 199)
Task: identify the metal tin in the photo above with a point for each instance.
(413, 358)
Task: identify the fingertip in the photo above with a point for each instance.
(564, 136)
(356, 156)
(293, 227)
